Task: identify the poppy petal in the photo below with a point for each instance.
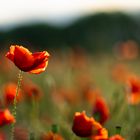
(40, 68)
(23, 58)
(10, 54)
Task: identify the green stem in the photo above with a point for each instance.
(14, 111)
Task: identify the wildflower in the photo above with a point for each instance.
(116, 137)
(6, 117)
(84, 126)
(27, 61)
(51, 136)
(133, 90)
(101, 110)
(10, 93)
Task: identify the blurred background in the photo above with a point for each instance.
(93, 25)
(94, 52)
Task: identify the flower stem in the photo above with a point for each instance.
(14, 111)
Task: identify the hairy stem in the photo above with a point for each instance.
(14, 111)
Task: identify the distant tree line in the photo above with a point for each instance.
(94, 33)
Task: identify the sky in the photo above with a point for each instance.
(59, 11)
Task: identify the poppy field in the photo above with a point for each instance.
(71, 95)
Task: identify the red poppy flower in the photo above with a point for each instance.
(84, 126)
(27, 61)
(116, 137)
(101, 110)
(6, 117)
(10, 93)
(133, 90)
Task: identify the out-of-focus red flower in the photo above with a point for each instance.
(10, 93)
(27, 61)
(84, 126)
(127, 50)
(32, 91)
(116, 137)
(51, 136)
(101, 110)
(6, 117)
(119, 72)
(133, 90)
